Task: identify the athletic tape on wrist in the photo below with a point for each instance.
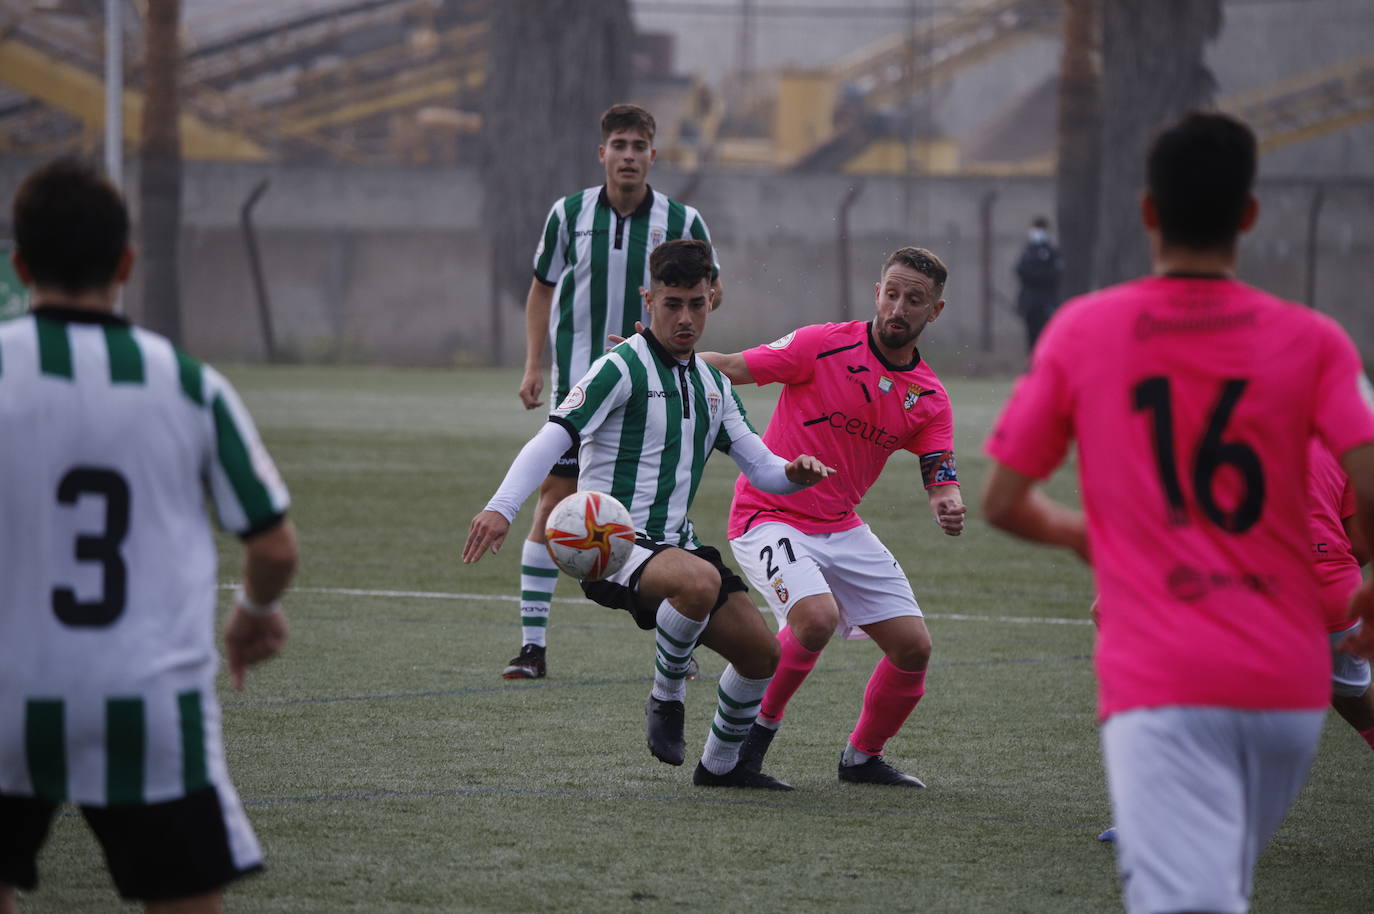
(256, 609)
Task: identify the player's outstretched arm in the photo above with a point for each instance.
(947, 504)
(256, 629)
(1358, 463)
(489, 528)
(538, 304)
(1013, 503)
(732, 366)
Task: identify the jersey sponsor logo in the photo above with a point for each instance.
(780, 589)
(587, 233)
(884, 385)
(713, 403)
(914, 392)
(575, 398)
(1148, 325)
(1188, 583)
(856, 369)
(660, 394)
(860, 428)
(783, 342)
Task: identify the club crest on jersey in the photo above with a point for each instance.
(575, 398)
(655, 236)
(713, 403)
(885, 385)
(913, 393)
(782, 342)
(780, 589)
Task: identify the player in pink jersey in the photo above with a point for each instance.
(854, 393)
(1338, 551)
(1192, 398)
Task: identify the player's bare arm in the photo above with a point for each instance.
(807, 471)
(1012, 502)
(732, 365)
(256, 629)
(538, 304)
(1358, 463)
(947, 505)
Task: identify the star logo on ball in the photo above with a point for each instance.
(596, 536)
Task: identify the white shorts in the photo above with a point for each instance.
(785, 565)
(1196, 794)
(1349, 674)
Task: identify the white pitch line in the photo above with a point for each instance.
(431, 595)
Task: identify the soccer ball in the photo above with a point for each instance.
(589, 535)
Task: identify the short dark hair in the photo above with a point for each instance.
(681, 263)
(1040, 222)
(627, 117)
(1200, 172)
(70, 226)
(920, 260)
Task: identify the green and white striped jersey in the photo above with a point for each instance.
(112, 440)
(647, 423)
(597, 262)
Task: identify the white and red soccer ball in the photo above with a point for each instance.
(590, 535)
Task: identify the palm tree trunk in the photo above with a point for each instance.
(160, 171)
(1080, 133)
(1153, 72)
(554, 67)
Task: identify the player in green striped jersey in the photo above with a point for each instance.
(589, 270)
(647, 415)
(113, 440)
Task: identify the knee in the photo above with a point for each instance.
(698, 591)
(813, 625)
(912, 654)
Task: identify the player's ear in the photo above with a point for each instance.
(1149, 211)
(125, 265)
(21, 269)
(1250, 214)
(935, 312)
(653, 154)
(601, 153)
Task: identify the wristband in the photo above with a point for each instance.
(255, 609)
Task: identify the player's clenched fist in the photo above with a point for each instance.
(949, 514)
(807, 470)
(487, 531)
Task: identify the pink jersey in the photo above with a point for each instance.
(1192, 401)
(1332, 501)
(847, 405)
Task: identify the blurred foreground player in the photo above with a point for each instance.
(1192, 398)
(113, 438)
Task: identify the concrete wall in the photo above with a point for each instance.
(391, 265)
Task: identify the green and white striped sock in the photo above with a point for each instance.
(675, 636)
(737, 704)
(538, 577)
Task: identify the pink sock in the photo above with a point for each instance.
(795, 665)
(890, 698)
(1368, 736)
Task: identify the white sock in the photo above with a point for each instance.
(538, 577)
(737, 704)
(675, 637)
(852, 756)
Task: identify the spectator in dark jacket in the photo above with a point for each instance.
(1038, 270)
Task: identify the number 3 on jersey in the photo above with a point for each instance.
(1153, 394)
(102, 548)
